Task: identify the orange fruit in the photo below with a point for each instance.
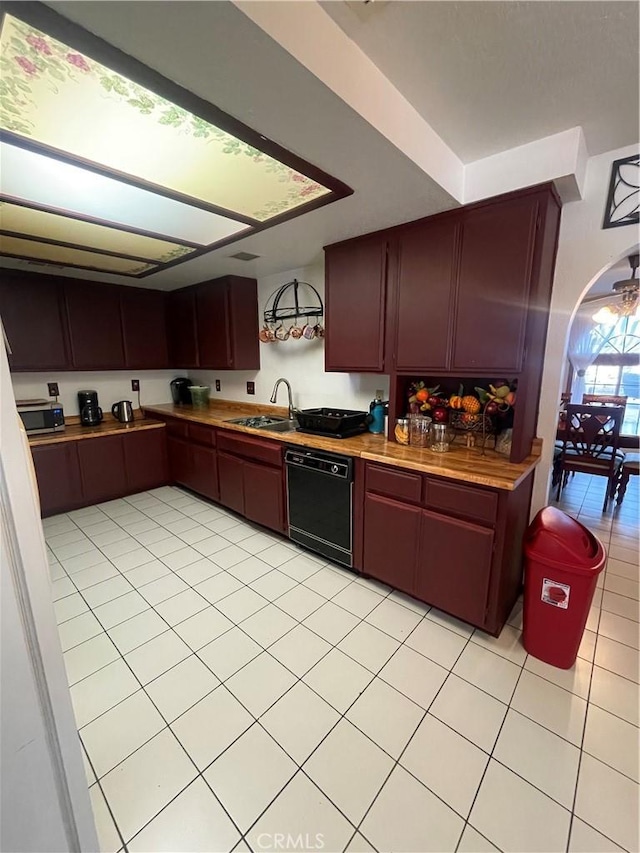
(422, 395)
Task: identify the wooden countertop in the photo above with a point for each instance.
(459, 463)
(75, 431)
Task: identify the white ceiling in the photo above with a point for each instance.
(482, 56)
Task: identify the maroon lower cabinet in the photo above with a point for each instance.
(58, 475)
(231, 481)
(179, 455)
(204, 471)
(391, 538)
(264, 495)
(102, 468)
(454, 566)
(145, 459)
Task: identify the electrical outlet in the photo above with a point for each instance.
(218, 385)
(251, 387)
(53, 389)
(135, 384)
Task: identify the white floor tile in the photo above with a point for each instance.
(194, 821)
(359, 844)
(211, 545)
(585, 839)
(300, 568)
(260, 683)
(62, 588)
(229, 652)
(116, 734)
(407, 601)
(106, 591)
(108, 837)
(552, 707)
(147, 573)
(79, 628)
(277, 554)
(299, 650)
(358, 600)
(473, 842)
(448, 764)
(181, 558)
(120, 609)
(109, 538)
(539, 756)
(614, 567)
(161, 547)
(446, 621)
(201, 570)
(163, 588)
(369, 646)
(576, 680)
(386, 716)
(250, 570)
(618, 658)
(331, 622)
(218, 587)
(338, 679)
(488, 671)
(300, 602)
(195, 534)
(203, 740)
(248, 776)
(100, 691)
(89, 657)
(137, 630)
(393, 619)
(470, 711)
(84, 561)
(618, 604)
(327, 582)
(615, 694)
(508, 644)
(268, 625)
(157, 656)
(69, 606)
(132, 559)
(627, 555)
(79, 545)
(414, 675)
(608, 801)
(299, 720)
(241, 604)
(203, 627)
(229, 556)
(273, 585)
(252, 542)
(617, 628)
(408, 817)
(140, 786)
(94, 575)
(613, 741)
(181, 606)
(305, 811)
(178, 689)
(350, 769)
(437, 643)
(514, 815)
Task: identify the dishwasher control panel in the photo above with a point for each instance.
(326, 463)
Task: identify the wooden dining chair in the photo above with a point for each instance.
(604, 400)
(590, 445)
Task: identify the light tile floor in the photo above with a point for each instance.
(235, 693)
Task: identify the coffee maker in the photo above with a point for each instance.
(180, 393)
(90, 411)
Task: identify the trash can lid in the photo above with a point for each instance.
(556, 538)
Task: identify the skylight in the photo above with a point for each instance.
(99, 171)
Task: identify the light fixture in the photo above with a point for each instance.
(626, 293)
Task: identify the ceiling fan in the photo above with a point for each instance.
(623, 300)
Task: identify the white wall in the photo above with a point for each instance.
(300, 361)
(585, 250)
(111, 386)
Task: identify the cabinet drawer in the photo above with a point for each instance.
(176, 428)
(394, 483)
(202, 434)
(473, 503)
(269, 452)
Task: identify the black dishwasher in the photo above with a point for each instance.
(319, 495)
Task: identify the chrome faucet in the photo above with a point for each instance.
(275, 394)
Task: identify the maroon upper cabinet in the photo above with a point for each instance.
(355, 294)
(227, 322)
(425, 294)
(32, 310)
(144, 328)
(95, 327)
(496, 263)
(182, 332)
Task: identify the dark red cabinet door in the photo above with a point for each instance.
(214, 333)
(231, 482)
(391, 536)
(264, 495)
(179, 454)
(95, 327)
(243, 323)
(145, 458)
(58, 475)
(32, 311)
(204, 471)
(144, 328)
(454, 566)
(426, 270)
(355, 291)
(182, 334)
(493, 287)
(102, 468)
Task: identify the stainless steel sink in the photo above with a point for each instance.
(266, 422)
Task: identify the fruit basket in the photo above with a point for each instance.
(470, 425)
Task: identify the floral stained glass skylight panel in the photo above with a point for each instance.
(55, 95)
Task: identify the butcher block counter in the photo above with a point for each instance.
(75, 431)
(459, 463)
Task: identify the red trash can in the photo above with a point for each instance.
(562, 563)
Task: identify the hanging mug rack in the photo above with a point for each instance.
(294, 300)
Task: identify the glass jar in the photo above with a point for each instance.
(419, 431)
(200, 396)
(402, 430)
(441, 436)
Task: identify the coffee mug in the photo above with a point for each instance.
(319, 330)
(281, 333)
(264, 334)
(309, 332)
(295, 332)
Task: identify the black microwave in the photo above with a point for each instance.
(41, 416)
